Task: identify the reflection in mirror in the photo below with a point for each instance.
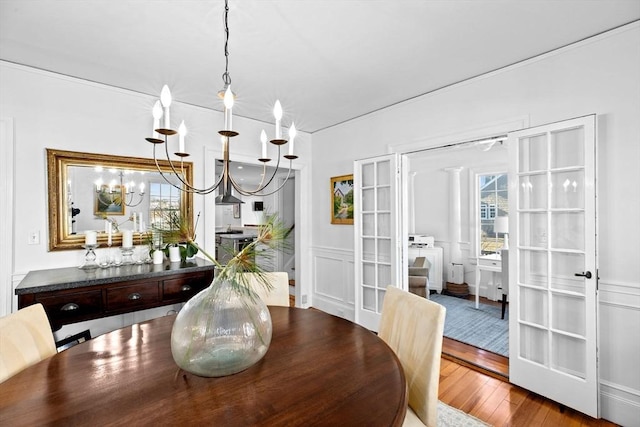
(100, 192)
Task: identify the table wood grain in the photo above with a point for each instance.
(319, 370)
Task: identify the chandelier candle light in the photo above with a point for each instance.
(161, 110)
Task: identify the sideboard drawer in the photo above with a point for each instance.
(183, 288)
(71, 307)
(127, 297)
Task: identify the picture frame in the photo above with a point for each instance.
(342, 199)
(109, 200)
(236, 210)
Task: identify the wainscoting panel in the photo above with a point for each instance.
(619, 349)
(333, 288)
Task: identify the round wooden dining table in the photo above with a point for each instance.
(319, 370)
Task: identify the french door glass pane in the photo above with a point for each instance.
(567, 148)
(533, 344)
(533, 194)
(368, 199)
(368, 249)
(368, 298)
(368, 223)
(567, 190)
(568, 314)
(533, 306)
(567, 230)
(384, 198)
(384, 175)
(533, 268)
(569, 355)
(384, 276)
(563, 268)
(533, 230)
(368, 175)
(384, 225)
(381, 293)
(533, 153)
(384, 250)
(368, 274)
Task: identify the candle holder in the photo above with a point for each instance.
(127, 253)
(89, 258)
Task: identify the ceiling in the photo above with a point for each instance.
(328, 61)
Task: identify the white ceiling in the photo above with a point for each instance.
(328, 61)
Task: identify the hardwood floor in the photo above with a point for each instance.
(477, 382)
(500, 403)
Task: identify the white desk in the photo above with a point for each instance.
(492, 263)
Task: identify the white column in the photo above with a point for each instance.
(455, 220)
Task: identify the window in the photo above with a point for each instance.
(494, 202)
(164, 204)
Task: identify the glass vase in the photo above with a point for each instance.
(222, 330)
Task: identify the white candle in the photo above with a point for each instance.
(263, 139)
(90, 238)
(157, 115)
(135, 221)
(109, 232)
(182, 132)
(228, 109)
(277, 113)
(165, 99)
(292, 136)
(141, 190)
(127, 238)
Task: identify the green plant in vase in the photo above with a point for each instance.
(226, 328)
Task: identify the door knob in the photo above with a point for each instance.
(587, 275)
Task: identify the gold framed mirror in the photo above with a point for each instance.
(87, 191)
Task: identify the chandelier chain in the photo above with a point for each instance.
(226, 77)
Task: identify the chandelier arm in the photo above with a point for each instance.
(189, 188)
(129, 203)
(259, 193)
(262, 185)
(107, 202)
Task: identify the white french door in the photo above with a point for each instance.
(553, 275)
(378, 235)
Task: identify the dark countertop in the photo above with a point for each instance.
(237, 236)
(73, 277)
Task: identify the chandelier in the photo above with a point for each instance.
(225, 181)
(113, 193)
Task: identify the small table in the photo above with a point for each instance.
(492, 263)
(319, 370)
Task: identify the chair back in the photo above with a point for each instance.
(279, 295)
(413, 327)
(25, 339)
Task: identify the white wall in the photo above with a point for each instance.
(597, 76)
(53, 111)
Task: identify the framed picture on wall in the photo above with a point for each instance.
(342, 199)
(108, 200)
(236, 210)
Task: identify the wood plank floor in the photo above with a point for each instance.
(500, 403)
(477, 382)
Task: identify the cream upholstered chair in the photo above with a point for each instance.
(25, 339)
(279, 295)
(419, 277)
(413, 328)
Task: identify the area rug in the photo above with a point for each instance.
(452, 417)
(480, 328)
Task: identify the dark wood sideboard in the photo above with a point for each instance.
(71, 295)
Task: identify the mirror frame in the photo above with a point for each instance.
(57, 163)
